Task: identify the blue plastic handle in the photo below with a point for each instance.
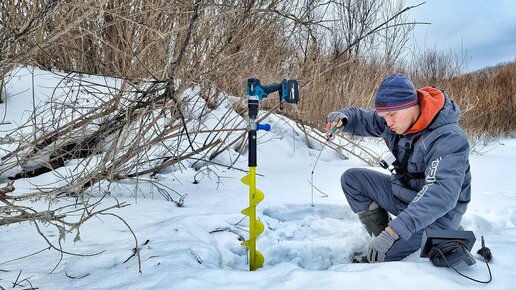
(265, 127)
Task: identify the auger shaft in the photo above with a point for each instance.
(256, 259)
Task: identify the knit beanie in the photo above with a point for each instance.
(396, 92)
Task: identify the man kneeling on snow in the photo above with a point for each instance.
(430, 185)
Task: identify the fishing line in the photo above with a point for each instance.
(329, 136)
(312, 175)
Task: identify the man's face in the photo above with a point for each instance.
(401, 120)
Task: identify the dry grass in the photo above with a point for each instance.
(218, 45)
(489, 97)
(228, 42)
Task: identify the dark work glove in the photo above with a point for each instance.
(379, 246)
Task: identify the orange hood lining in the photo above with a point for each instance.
(431, 101)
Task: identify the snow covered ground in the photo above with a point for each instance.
(198, 246)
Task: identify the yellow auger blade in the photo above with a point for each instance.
(256, 259)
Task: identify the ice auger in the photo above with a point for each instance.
(288, 91)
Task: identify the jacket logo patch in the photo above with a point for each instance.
(430, 178)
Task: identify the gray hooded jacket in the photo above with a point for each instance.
(441, 151)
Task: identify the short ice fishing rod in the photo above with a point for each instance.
(288, 91)
(328, 137)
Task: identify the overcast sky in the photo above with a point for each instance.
(485, 29)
